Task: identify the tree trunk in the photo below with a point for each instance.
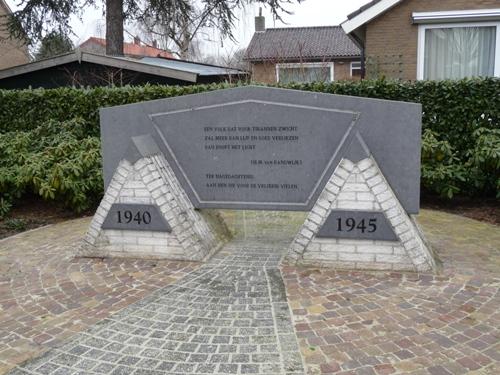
(185, 38)
(114, 27)
(184, 47)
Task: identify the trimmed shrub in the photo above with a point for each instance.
(28, 109)
(49, 139)
(56, 160)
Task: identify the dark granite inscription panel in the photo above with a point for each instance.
(364, 225)
(254, 154)
(136, 217)
(266, 148)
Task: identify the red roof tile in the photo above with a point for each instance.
(131, 48)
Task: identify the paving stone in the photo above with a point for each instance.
(216, 335)
(121, 370)
(129, 360)
(248, 349)
(18, 371)
(86, 364)
(111, 357)
(165, 366)
(219, 358)
(252, 315)
(207, 348)
(249, 369)
(185, 368)
(47, 368)
(240, 358)
(205, 368)
(147, 372)
(221, 340)
(79, 349)
(388, 322)
(66, 359)
(148, 363)
(228, 368)
(57, 295)
(104, 368)
(228, 348)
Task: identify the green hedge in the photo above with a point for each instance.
(49, 138)
(28, 109)
(57, 160)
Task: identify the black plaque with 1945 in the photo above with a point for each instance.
(142, 217)
(363, 225)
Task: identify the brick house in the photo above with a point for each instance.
(428, 39)
(12, 52)
(134, 49)
(302, 54)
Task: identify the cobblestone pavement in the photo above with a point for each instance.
(229, 316)
(384, 323)
(46, 295)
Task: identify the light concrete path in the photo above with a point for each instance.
(230, 316)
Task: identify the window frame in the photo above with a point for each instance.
(328, 64)
(360, 67)
(422, 28)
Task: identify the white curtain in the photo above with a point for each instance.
(304, 74)
(459, 52)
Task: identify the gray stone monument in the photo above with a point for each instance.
(352, 163)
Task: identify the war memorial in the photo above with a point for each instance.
(353, 164)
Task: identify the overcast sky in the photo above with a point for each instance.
(308, 13)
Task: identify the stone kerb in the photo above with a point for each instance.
(361, 186)
(150, 180)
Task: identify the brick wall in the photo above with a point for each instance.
(12, 52)
(392, 39)
(342, 69)
(265, 72)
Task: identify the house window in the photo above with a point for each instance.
(454, 51)
(304, 72)
(355, 68)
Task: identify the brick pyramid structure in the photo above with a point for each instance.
(359, 185)
(145, 177)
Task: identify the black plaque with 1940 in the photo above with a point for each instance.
(143, 217)
(366, 225)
